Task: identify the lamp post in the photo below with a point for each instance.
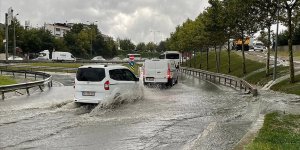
(15, 44)
(92, 23)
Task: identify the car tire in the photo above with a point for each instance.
(176, 82)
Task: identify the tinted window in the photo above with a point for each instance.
(90, 74)
(172, 56)
(122, 75)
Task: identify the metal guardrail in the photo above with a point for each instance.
(47, 79)
(227, 80)
(77, 61)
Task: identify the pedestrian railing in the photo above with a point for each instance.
(46, 80)
(227, 80)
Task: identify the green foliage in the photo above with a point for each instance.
(261, 79)
(141, 47)
(5, 80)
(126, 45)
(287, 87)
(151, 47)
(278, 132)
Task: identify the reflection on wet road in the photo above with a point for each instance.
(193, 114)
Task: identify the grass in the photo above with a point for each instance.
(5, 80)
(279, 132)
(236, 64)
(261, 79)
(287, 87)
(65, 65)
(285, 53)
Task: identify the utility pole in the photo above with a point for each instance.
(6, 36)
(92, 23)
(15, 44)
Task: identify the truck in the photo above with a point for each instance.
(237, 44)
(160, 71)
(55, 56)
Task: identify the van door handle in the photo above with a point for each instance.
(158, 72)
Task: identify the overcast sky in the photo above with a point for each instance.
(133, 19)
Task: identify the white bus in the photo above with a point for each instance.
(171, 55)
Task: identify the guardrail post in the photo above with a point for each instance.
(3, 96)
(25, 74)
(41, 88)
(27, 90)
(254, 92)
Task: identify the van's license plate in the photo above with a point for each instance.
(150, 79)
(88, 93)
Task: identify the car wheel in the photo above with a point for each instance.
(176, 82)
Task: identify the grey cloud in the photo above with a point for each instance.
(132, 19)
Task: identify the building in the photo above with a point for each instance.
(58, 29)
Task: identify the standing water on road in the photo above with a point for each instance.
(193, 114)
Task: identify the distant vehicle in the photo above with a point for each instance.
(172, 55)
(237, 44)
(56, 56)
(160, 71)
(15, 58)
(136, 56)
(95, 83)
(99, 58)
(258, 46)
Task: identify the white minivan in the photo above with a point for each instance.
(95, 83)
(160, 71)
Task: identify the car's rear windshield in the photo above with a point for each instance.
(90, 74)
(172, 56)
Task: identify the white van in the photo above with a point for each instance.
(56, 56)
(160, 71)
(95, 83)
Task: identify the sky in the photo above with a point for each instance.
(138, 20)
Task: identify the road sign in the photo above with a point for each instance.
(131, 63)
(131, 57)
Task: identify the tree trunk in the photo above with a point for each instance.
(229, 61)
(200, 59)
(207, 59)
(268, 53)
(190, 60)
(292, 71)
(217, 60)
(195, 57)
(243, 52)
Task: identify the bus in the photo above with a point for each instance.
(136, 56)
(171, 55)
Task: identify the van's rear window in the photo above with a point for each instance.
(90, 74)
(172, 56)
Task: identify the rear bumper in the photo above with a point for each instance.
(87, 101)
(163, 80)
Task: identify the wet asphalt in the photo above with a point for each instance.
(194, 114)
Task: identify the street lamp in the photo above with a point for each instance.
(92, 23)
(15, 44)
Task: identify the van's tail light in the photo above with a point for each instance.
(169, 72)
(106, 85)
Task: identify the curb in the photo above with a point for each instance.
(251, 134)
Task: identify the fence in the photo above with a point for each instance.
(47, 79)
(227, 80)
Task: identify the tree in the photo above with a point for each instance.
(141, 47)
(290, 14)
(151, 47)
(162, 47)
(267, 17)
(214, 27)
(126, 45)
(246, 21)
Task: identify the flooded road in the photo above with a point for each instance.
(193, 114)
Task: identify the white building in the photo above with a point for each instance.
(58, 29)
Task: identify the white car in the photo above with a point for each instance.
(99, 58)
(98, 83)
(160, 71)
(14, 58)
(258, 46)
